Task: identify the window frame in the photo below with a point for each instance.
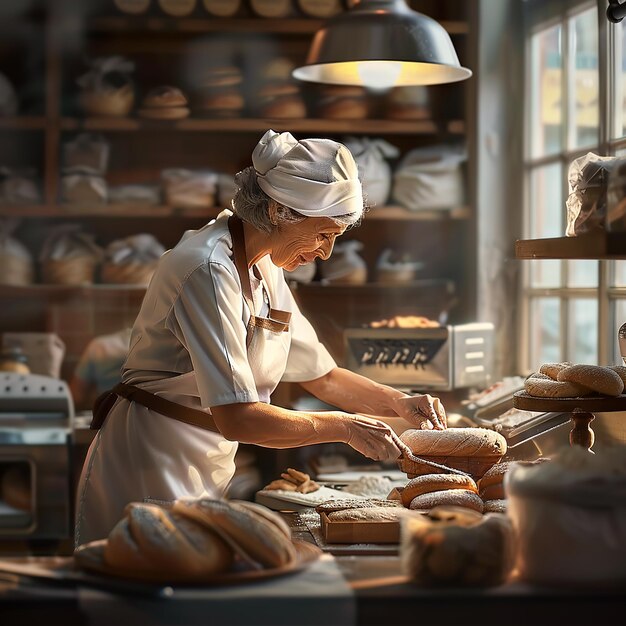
(539, 18)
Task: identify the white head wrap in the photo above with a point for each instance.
(315, 177)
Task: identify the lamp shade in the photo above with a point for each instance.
(382, 44)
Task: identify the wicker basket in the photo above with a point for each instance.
(15, 270)
(111, 103)
(474, 465)
(74, 271)
(127, 273)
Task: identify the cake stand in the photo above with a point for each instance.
(581, 412)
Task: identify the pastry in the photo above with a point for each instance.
(542, 386)
(132, 7)
(320, 8)
(435, 482)
(454, 497)
(293, 480)
(177, 8)
(222, 8)
(552, 369)
(602, 380)
(271, 8)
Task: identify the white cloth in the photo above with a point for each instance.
(315, 177)
(189, 346)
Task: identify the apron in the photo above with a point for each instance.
(185, 455)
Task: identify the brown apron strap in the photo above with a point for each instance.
(235, 226)
(188, 415)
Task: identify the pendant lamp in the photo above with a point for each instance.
(381, 44)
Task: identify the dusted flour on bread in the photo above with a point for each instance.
(455, 442)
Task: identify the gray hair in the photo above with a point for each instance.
(252, 205)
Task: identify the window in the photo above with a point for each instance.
(572, 308)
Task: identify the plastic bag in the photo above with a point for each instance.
(68, 242)
(430, 178)
(142, 248)
(588, 178)
(375, 173)
(616, 210)
(570, 517)
(87, 151)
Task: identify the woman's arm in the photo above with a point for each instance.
(358, 394)
(274, 427)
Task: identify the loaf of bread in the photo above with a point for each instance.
(258, 535)
(372, 514)
(453, 497)
(150, 539)
(355, 503)
(621, 372)
(495, 506)
(428, 483)
(455, 442)
(602, 380)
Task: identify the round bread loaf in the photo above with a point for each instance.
(602, 380)
(548, 388)
(165, 96)
(164, 113)
(428, 483)
(455, 442)
(255, 537)
(621, 372)
(495, 506)
(454, 497)
(552, 369)
(345, 108)
(492, 492)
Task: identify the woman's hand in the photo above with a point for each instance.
(424, 411)
(372, 438)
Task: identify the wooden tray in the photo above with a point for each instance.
(607, 404)
(359, 531)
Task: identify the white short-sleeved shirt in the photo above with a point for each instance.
(188, 345)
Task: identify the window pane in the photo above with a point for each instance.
(586, 112)
(582, 273)
(619, 274)
(620, 318)
(546, 117)
(582, 340)
(545, 273)
(546, 209)
(544, 328)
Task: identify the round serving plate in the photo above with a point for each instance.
(592, 404)
(90, 558)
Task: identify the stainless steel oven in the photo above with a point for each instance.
(36, 414)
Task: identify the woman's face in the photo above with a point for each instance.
(303, 242)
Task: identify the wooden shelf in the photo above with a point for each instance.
(340, 289)
(45, 291)
(161, 25)
(598, 245)
(259, 125)
(25, 122)
(106, 211)
(393, 213)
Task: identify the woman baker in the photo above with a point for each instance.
(218, 330)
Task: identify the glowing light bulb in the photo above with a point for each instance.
(379, 74)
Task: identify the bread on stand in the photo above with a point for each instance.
(471, 450)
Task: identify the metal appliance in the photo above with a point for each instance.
(439, 358)
(36, 415)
